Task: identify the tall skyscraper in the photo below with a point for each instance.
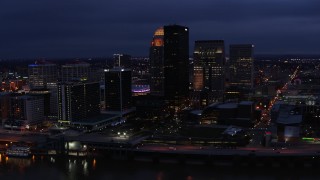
(241, 65)
(75, 71)
(78, 101)
(157, 63)
(118, 89)
(209, 67)
(169, 59)
(42, 75)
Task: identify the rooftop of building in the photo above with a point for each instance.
(232, 130)
(214, 104)
(277, 105)
(123, 112)
(97, 119)
(196, 112)
(289, 119)
(227, 106)
(246, 103)
(288, 114)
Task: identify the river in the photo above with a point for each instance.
(47, 168)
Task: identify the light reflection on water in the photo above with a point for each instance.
(85, 167)
(57, 168)
(94, 162)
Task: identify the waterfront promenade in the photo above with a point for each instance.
(103, 143)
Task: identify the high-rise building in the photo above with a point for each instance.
(156, 58)
(42, 75)
(122, 60)
(209, 68)
(75, 71)
(169, 60)
(45, 94)
(50, 101)
(78, 101)
(241, 65)
(118, 89)
(26, 110)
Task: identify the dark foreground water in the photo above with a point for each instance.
(47, 168)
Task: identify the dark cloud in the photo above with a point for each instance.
(87, 28)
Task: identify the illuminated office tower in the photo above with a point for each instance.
(169, 60)
(42, 75)
(78, 101)
(241, 65)
(209, 67)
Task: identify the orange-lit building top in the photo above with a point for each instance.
(159, 32)
(158, 37)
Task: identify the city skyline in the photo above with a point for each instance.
(199, 85)
(84, 29)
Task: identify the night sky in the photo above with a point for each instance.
(99, 28)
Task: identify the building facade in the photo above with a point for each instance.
(118, 89)
(26, 110)
(42, 75)
(241, 65)
(75, 71)
(78, 101)
(169, 59)
(208, 72)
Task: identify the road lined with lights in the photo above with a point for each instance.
(276, 98)
(262, 151)
(261, 126)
